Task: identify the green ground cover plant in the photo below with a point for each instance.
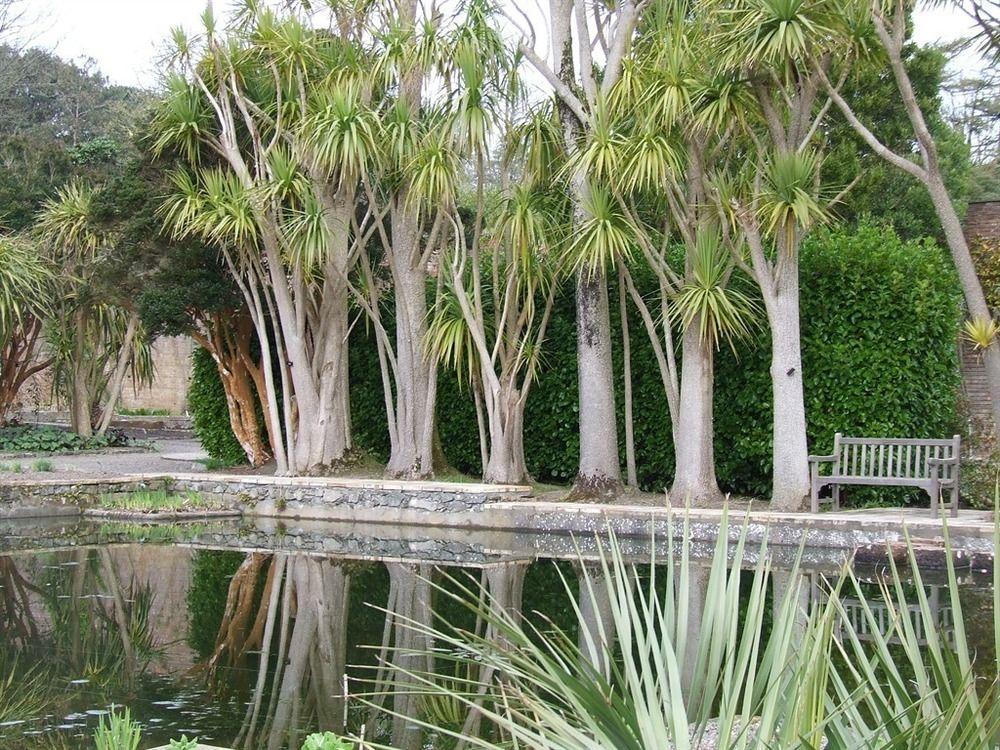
(46, 439)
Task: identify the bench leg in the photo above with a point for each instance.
(836, 496)
(954, 499)
(934, 490)
(814, 488)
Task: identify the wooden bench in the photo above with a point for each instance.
(931, 465)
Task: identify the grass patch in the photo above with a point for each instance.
(216, 464)
(11, 468)
(43, 465)
(144, 412)
(156, 501)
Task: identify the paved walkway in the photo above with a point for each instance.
(170, 456)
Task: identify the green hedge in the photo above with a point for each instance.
(880, 319)
(209, 412)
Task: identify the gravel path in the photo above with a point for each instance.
(91, 465)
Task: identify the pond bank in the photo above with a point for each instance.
(513, 508)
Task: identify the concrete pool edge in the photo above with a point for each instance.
(501, 508)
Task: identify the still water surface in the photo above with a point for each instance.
(240, 634)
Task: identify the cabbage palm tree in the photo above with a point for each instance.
(27, 283)
(580, 82)
(280, 107)
(658, 154)
(413, 189)
(770, 53)
(499, 298)
(95, 340)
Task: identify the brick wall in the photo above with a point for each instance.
(982, 222)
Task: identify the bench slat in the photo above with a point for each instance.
(894, 441)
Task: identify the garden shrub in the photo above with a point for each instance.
(880, 320)
(209, 412)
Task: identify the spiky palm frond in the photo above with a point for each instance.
(788, 201)
(708, 299)
(981, 332)
(67, 224)
(340, 134)
(308, 236)
(434, 173)
(181, 120)
(536, 143)
(604, 154)
(26, 283)
(449, 340)
(603, 237)
(776, 32)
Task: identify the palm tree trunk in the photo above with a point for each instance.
(694, 479)
(600, 469)
(790, 454)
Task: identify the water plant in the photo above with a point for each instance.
(184, 744)
(655, 672)
(117, 731)
(326, 741)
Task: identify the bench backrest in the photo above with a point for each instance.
(892, 457)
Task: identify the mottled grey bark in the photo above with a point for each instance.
(694, 479)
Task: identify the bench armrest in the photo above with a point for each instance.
(822, 459)
(942, 461)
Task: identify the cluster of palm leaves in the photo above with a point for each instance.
(811, 677)
(94, 341)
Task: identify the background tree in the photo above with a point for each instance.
(57, 120)
(27, 283)
(923, 162)
(878, 190)
(94, 340)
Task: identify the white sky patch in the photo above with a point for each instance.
(126, 38)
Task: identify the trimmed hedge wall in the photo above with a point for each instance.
(209, 412)
(880, 320)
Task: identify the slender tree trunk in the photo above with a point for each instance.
(790, 453)
(694, 479)
(600, 469)
(113, 391)
(630, 470)
(81, 398)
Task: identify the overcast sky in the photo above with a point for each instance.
(125, 37)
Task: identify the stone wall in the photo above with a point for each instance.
(172, 369)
